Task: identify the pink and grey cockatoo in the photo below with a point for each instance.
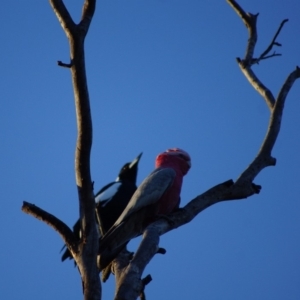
(158, 195)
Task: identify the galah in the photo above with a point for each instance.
(111, 200)
(158, 195)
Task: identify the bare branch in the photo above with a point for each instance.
(86, 260)
(245, 64)
(257, 84)
(250, 22)
(264, 158)
(86, 252)
(65, 232)
(266, 57)
(63, 16)
(87, 14)
(76, 35)
(239, 10)
(286, 88)
(64, 65)
(129, 278)
(273, 43)
(276, 117)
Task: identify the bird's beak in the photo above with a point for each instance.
(135, 161)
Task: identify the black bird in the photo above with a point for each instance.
(111, 200)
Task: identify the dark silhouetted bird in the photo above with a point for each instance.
(158, 195)
(111, 200)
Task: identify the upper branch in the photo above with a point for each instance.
(245, 64)
(286, 87)
(63, 16)
(257, 84)
(272, 44)
(276, 117)
(76, 35)
(87, 13)
(264, 158)
(250, 22)
(86, 259)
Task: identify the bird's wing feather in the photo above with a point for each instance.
(149, 192)
(104, 188)
(104, 195)
(126, 227)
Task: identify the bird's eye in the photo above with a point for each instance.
(125, 168)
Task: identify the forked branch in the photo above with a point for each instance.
(129, 276)
(273, 43)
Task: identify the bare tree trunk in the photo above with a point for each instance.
(85, 250)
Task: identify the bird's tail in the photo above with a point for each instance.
(66, 254)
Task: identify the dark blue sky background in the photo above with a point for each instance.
(161, 74)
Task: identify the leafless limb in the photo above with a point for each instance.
(84, 251)
(64, 65)
(272, 44)
(128, 277)
(65, 232)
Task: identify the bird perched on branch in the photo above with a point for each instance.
(158, 195)
(111, 200)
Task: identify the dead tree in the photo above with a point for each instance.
(128, 271)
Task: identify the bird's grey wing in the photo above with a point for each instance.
(127, 225)
(150, 191)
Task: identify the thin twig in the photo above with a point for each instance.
(266, 57)
(128, 277)
(64, 65)
(269, 48)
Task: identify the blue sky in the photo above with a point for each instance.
(161, 74)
